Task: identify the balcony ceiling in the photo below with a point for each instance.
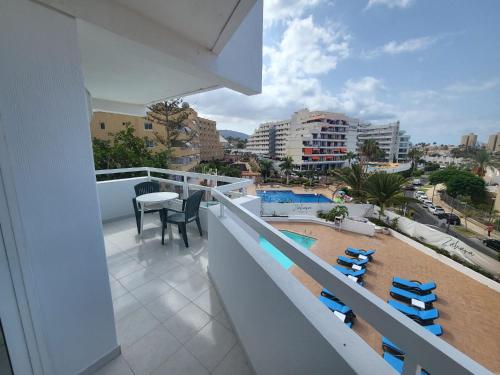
(138, 52)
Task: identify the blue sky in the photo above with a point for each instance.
(434, 65)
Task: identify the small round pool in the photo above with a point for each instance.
(288, 196)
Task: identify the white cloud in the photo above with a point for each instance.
(390, 3)
(407, 46)
(473, 86)
(282, 10)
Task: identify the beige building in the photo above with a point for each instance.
(210, 146)
(468, 140)
(204, 145)
(493, 144)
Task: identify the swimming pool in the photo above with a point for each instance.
(288, 196)
(281, 258)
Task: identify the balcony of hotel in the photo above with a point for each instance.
(83, 293)
(223, 305)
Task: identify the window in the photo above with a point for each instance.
(148, 126)
(103, 125)
(150, 143)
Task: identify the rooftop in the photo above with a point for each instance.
(168, 316)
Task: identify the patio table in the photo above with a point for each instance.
(154, 200)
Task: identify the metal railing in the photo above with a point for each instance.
(228, 185)
(422, 348)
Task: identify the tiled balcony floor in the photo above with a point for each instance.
(169, 319)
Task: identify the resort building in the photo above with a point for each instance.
(269, 139)
(393, 141)
(210, 146)
(202, 134)
(318, 140)
(493, 144)
(468, 140)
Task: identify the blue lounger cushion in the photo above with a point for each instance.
(408, 295)
(419, 315)
(413, 285)
(436, 329)
(397, 363)
(350, 272)
(335, 306)
(355, 252)
(346, 260)
(326, 293)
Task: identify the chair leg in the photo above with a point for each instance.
(184, 234)
(163, 233)
(199, 226)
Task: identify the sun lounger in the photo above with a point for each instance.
(350, 272)
(423, 317)
(389, 346)
(341, 311)
(346, 261)
(414, 286)
(424, 302)
(360, 253)
(398, 363)
(326, 293)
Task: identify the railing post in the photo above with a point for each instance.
(185, 187)
(149, 173)
(221, 209)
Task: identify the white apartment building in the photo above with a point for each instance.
(394, 142)
(269, 139)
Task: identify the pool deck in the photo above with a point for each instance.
(468, 309)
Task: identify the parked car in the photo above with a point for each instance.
(409, 187)
(452, 219)
(437, 210)
(420, 193)
(426, 203)
(416, 181)
(494, 244)
(431, 207)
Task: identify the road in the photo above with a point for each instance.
(423, 216)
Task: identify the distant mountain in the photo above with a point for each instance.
(234, 134)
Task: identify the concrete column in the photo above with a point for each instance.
(47, 167)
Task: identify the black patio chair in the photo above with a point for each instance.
(140, 189)
(190, 212)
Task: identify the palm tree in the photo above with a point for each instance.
(286, 167)
(349, 156)
(370, 150)
(414, 154)
(385, 189)
(266, 166)
(353, 177)
(482, 158)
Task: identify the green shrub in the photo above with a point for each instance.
(333, 213)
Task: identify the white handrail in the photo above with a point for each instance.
(422, 348)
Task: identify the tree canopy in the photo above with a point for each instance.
(385, 189)
(460, 182)
(126, 150)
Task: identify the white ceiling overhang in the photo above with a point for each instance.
(138, 52)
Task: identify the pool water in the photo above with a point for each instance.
(281, 258)
(288, 196)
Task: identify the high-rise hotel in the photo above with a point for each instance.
(320, 140)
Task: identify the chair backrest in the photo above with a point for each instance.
(192, 206)
(146, 188)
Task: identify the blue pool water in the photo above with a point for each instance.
(288, 196)
(282, 259)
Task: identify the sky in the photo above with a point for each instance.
(434, 65)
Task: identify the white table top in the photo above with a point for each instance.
(153, 198)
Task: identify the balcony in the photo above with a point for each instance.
(224, 306)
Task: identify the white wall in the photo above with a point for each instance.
(282, 327)
(115, 197)
(47, 166)
(285, 209)
(355, 226)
